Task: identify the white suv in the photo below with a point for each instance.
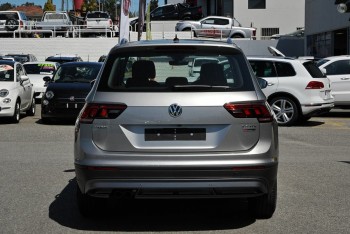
(297, 89)
(12, 20)
(337, 69)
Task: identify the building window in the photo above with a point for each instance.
(256, 4)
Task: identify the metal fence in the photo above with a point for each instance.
(160, 30)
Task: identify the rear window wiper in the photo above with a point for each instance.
(198, 87)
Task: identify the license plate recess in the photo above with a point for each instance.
(175, 134)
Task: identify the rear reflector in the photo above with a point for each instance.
(315, 85)
(93, 111)
(258, 110)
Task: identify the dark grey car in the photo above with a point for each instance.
(149, 130)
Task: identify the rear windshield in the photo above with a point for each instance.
(172, 70)
(314, 71)
(56, 16)
(97, 15)
(8, 15)
(40, 68)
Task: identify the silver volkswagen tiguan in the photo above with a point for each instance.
(149, 130)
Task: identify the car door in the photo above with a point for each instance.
(222, 27)
(339, 74)
(207, 27)
(25, 86)
(266, 70)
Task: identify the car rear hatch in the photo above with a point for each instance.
(320, 83)
(203, 123)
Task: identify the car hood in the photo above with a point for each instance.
(9, 85)
(69, 89)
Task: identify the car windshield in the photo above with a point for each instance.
(40, 68)
(77, 73)
(6, 72)
(168, 71)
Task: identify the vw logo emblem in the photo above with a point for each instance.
(175, 110)
(71, 99)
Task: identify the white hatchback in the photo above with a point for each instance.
(297, 89)
(337, 69)
(16, 91)
(36, 72)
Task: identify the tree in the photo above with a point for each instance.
(89, 5)
(6, 6)
(154, 4)
(110, 6)
(49, 6)
(29, 4)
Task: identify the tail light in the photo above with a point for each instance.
(93, 111)
(315, 85)
(110, 23)
(21, 24)
(200, 10)
(257, 110)
(254, 32)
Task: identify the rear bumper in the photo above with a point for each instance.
(316, 109)
(176, 183)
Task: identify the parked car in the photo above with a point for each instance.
(97, 22)
(23, 58)
(178, 11)
(16, 92)
(216, 26)
(337, 69)
(13, 20)
(64, 58)
(154, 134)
(297, 89)
(58, 22)
(36, 71)
(297, 33)
(66, 90)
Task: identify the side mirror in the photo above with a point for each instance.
(47, 78)
(262, 83)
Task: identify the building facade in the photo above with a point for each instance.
(270, 16)
(267, 16)
(326, 30)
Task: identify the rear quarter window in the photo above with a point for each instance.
(314, 71)
(284, 69)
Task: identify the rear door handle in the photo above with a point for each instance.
(270, 84)
(345, 78)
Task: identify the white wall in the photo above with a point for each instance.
(92, 48)
(287, 15)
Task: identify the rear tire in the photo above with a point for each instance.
(264, 206)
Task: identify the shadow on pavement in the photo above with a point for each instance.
(151, 215)
(338, 113)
